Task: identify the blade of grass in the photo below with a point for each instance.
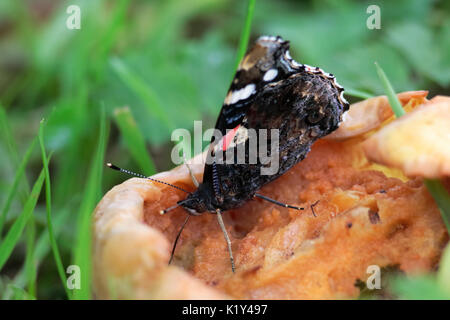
(141, 89)
(358, 93)
(134, 140)
(42, 246)
(110, 34)
(392, 96)
(13, 190)
(442, 198)
(434, 186)
(82, 252)
(68, 178)
(423, 287)
(7, 136)
(30, 264)
(245, 33)
(14, 233)
(18, 293)
(48, 201)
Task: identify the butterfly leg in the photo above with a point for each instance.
(284, 204)
(227, 238)
(178, 236)
(281, 204)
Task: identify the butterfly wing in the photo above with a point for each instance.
(270, 91)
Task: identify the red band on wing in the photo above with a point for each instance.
(229, 137)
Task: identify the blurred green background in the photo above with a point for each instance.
(115, 89)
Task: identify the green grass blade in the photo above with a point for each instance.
(442, 198)
(358, 93)
(13, 190)
(423, 287)
(392, 97)
(14, 233)
(143, 91)
(134, 140)
(19, 294)
(48, 201)
(7, 136)
(245, 33)
(20, 186)
(82, 253)
(42, 246)
(110, 34)
(30, 263)
(434, 186)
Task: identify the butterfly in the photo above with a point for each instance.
(270, 91)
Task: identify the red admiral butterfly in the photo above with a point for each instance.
(269, 91)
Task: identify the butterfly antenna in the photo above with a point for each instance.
(114, 167)
(161, 212)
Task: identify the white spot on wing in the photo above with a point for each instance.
(270, 75)
(240, 94)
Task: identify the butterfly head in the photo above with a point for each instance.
(194, 204)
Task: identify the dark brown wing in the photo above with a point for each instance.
(270, 91)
